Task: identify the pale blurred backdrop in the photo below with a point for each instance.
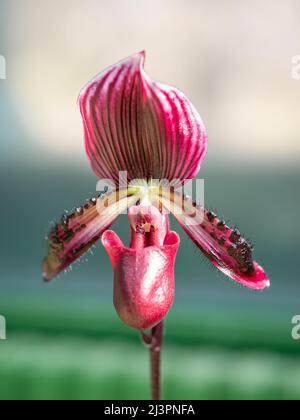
(234, 60)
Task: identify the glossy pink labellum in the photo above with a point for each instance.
(143, 274)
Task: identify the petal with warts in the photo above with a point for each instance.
(224, 247)
(76, 233)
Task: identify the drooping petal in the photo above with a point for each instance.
(134, 124)
(224, 247)
(77, 232)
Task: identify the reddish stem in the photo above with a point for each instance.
(154, 342)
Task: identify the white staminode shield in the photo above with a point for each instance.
(2, 328)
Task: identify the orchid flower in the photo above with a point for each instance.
(153, 133)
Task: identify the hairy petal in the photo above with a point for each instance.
(224, 247)
(77, 232)
(134, 124)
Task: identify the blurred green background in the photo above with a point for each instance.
(64, 340)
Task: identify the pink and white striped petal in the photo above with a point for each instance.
(223, 246)
(134, 124)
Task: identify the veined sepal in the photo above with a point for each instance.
(134, 124)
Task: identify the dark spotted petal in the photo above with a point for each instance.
(76, 233)
(224, 247)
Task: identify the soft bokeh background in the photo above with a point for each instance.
(233, 59)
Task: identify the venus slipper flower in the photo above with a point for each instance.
(153, 133)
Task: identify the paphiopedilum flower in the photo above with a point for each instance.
(153, 133)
